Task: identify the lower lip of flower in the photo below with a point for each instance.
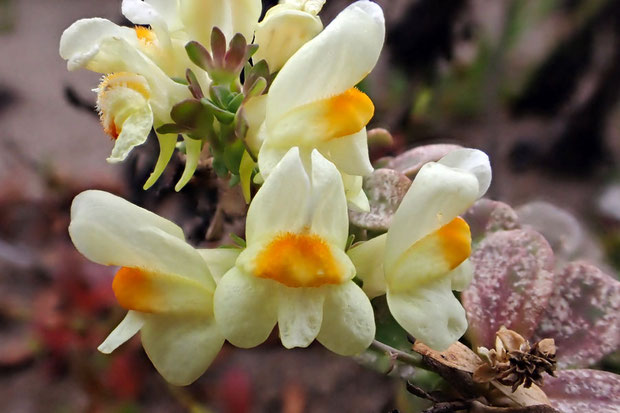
(298, 260)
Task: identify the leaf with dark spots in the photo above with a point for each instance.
(512, 283)
(583, 315)
(490, 216)
(578, 391)
(410, 162)
(385, 189)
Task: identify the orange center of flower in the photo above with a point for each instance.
(298, 260)
(112, 99)
(145, 35)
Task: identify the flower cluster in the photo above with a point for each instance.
(297, 124)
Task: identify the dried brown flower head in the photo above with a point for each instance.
(514, 362)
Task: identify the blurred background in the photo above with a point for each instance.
(534, 83)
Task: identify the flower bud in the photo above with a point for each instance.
(285, 28)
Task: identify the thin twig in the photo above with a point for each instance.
(411, 359)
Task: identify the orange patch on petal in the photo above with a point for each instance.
(455, 241)
(299, 260)
(134, 290)
(348, 113)
(145, 35)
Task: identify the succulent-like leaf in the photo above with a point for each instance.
(186, 112)
(579, 391)
(583, 315)
(410, 162)
(193, 84)
(385, 189)
(199, 55)
(560, 228)
(490, 216)
(235, 57)
(220, 114)
(218, 46)
(512, 284)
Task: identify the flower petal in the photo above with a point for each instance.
(300, 313)
(200, 16)
(79, 43)
(368, 260)
(219, 260)
(437, 195)
(331, 63)
(462, 275)
(473, 161)
(154, 292)
(430, 313)
(245, 308)
(348, 321)
(322, 121)
(353, 190)
(282, 203)
(432, 257)
(167, 143)
(135, 131)
(111, 231)
(131, 324)
(181, 348)
(328, 203)
(282, 32)
(349, 153)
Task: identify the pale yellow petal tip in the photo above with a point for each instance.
(455, 239)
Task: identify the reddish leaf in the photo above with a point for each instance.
(490, 216)
(560, 228)
(511, 286)
(385, 189)
(583, 316)
(410, 162)
(579, 391)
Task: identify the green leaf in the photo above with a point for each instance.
(220, 114)
(232, 156)
(238, 240)
(235, 102)
(199, 55)
(171, 128)
(185, 112)
(193, 84)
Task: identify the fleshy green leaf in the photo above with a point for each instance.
(193, 84)
(199, 55)
(385, 189)
(583, 315)
(512, 284)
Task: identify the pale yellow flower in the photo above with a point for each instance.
(294, 271)
(313, 102)
(163, 282)
(423, 256)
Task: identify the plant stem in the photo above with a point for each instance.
(411, 359)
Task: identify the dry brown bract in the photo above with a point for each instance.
(514, 362)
